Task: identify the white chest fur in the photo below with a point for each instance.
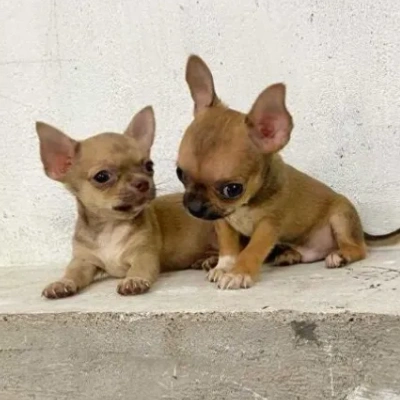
(111, 244)
(242, 221)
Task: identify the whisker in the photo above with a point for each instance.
(172, 184)
(166, 183)
(173, 188)
(161, 184)
(167, 159)
(162, 191)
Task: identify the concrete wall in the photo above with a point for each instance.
(88, 65)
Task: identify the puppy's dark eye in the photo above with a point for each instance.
(149, 166)
(102, 177)
(179, 174)
(231, 190)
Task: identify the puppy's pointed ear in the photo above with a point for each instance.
(142, 128)
(57, 150)
(201, 84)
(269, 122)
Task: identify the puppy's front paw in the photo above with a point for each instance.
(133, 286)
(215, 274)
(235, 281)
(224, 265)
(60, 289)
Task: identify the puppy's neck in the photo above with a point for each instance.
(272, 179)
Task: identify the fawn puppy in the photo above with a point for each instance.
(121, 229)
(229, 164)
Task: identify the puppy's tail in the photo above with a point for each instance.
(388, 239)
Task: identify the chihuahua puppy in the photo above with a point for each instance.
(229, 164)
(120, 229)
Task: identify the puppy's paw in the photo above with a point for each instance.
(60, 289)
(210, 263)
(335, 260)
(215, 274)
(205, 264)
(133, 286)
(224, 265)
(235, 281)
(288, 257)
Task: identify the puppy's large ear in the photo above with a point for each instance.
(201, 83)
(57, 150)
(142, 128)
(269, 122)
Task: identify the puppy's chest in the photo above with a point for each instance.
(242, 221)
(111, 244)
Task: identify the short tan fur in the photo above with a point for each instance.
(122, 229)
(230, 166)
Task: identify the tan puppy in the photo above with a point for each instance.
(120, 228)
(229, 164)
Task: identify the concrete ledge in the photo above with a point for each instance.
(304, 332)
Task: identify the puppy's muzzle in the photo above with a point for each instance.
(140, 185)
(137, 193)
(199, 208)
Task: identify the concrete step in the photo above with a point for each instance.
(303, 332)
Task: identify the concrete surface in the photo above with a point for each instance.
(372, 286)
(87, 66)
(303, 333)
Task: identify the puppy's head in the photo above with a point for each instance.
(225, 155)
(110, 174)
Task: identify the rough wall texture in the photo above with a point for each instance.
(87, 66)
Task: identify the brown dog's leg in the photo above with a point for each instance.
(347, 229)
(144, 271)
(250, 260)
(287, 256)
(206, 263)
(229, 248)
(78, 275)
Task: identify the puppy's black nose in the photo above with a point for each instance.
(199, 207)
(196, 208)
(200, 210)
